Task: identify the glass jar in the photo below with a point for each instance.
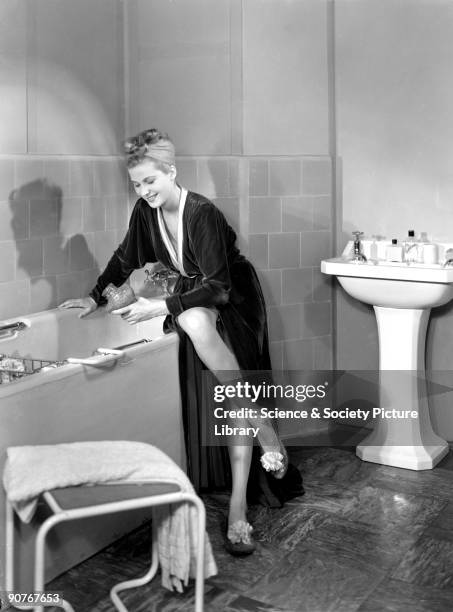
(118, 297)
(159, 284)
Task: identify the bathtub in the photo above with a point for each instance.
(133, 397)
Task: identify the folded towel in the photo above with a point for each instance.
(31, 470)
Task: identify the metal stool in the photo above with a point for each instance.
(155, 494)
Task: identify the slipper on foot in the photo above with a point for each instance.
(238, 539)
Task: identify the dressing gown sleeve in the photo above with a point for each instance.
(134, 252)
(206, 233)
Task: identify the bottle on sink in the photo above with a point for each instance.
(412, 248)
(429, 250)
(374, 254)
(394, 251)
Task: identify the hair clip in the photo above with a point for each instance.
(134, 146)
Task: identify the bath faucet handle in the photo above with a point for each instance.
(9, 330)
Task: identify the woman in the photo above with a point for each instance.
(218, 310)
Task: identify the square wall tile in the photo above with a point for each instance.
(259, 250)
(29, 258)
(93, 214)
(69, 286)
(284, 322)
(7, 261)
(14, 219)
(57, 172)
(284, 250)
(29, 174)
(322, 286)
(298, 354)
(317, 176)
(55, 255)
(276, 354)
(314, 247)
(322, 213)
(116, 212)
(214, 177)
(284, 177)
(258, 177)
(71, 216)
(297, 285)
(315, 319)
(81, 252)
(265, 215)
(233, 167)
(104, 245)
(323, 353)
(271, 284)
(38, 189)
(6, 178)
(14, 299)
(81, 178)
(297, 213)
(44, 217)
(110, 177)
(43, 293)
(89, 279)
(230, 208)
(187, 173)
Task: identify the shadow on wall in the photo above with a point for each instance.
(57, 265)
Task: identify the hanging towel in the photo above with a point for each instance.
(31, 470)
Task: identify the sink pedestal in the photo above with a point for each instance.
(403, 442)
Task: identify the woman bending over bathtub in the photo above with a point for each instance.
(218, 310)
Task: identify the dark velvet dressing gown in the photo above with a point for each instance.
(213, 273)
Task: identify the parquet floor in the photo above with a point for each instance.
(364, 538)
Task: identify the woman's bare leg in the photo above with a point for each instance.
(240, 459)
(200, 326)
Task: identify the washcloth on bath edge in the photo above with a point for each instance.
(31, 470)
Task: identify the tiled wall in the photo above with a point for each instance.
(281, 208)
(260, 149)
(290, 217)
(60, 219)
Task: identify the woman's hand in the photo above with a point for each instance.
(142, 309)
(88, 305)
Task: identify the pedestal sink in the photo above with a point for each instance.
(402, 296)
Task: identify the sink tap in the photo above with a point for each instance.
(357, 255)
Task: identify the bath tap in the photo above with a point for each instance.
(13, 326)
(10, 329)
(357, 255)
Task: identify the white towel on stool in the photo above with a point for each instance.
(31, 470)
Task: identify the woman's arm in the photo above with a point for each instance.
(142, 310)
(87, 304)
(134, 252)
